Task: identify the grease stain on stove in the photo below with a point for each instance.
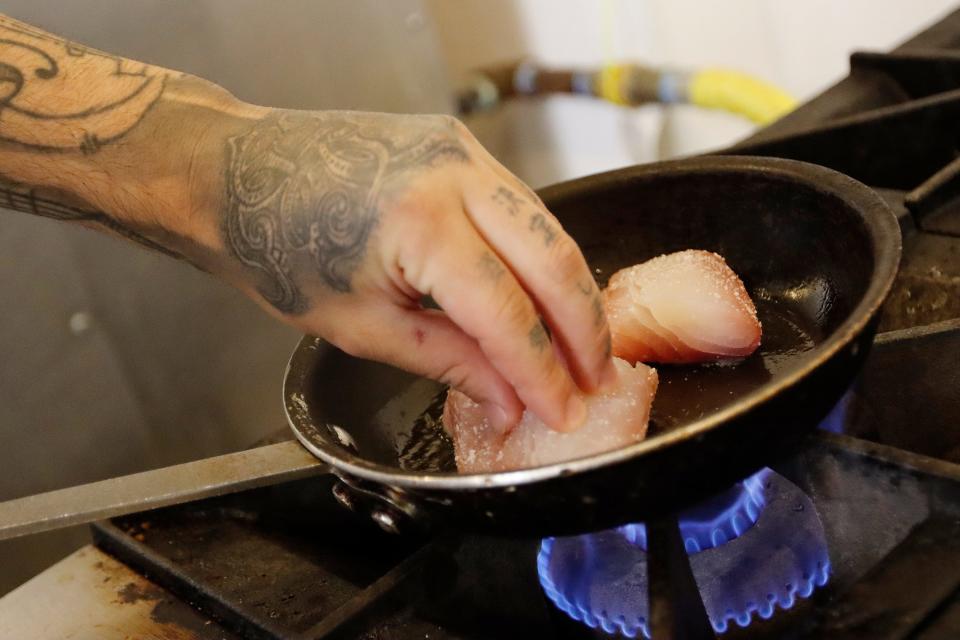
(927, 289)
(178, 620)
(100, 596)
(132, 593)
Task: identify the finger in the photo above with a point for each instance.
(586, 376)
(480, 294)
(480, 152)
(428, 343)
(549, 265)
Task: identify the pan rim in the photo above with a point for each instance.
(884, 234)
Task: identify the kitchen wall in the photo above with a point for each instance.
(800, 45)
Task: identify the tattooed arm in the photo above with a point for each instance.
(338, 223)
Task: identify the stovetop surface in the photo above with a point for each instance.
(289, 562)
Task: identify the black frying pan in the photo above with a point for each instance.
(818, 252)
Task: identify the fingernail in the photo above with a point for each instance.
(609, 377)
(576, 412)
(500, 421)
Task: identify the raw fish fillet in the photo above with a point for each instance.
(682, 307)
(614, 419)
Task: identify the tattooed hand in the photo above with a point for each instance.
(345, 221)
(338, 223)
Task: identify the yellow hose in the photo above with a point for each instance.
(738, 93)
(611, 85)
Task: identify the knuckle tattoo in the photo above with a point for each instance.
(599, 314)
(539, 224)
(539, 339)
(491, 267)
(508, 200)
(586, 287)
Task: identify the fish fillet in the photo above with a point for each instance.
(614, 419)
(681, 307)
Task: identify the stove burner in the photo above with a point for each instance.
(600, 579)
(715, 521)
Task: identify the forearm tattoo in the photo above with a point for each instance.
(303, 194)
(50, 204)
(60, 97)
(100, 97)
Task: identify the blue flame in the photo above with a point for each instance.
(617, 623)
(836, 420)
(716, 521)
(600, 579)
(803, 587)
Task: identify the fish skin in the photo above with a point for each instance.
(692, 301)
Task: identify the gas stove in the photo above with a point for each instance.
(856, 535)
(848, 538)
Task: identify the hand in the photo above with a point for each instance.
(345, 221)
(340, 223)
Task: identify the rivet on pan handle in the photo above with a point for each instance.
(389, 509)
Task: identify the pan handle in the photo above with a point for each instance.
(163, 487)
